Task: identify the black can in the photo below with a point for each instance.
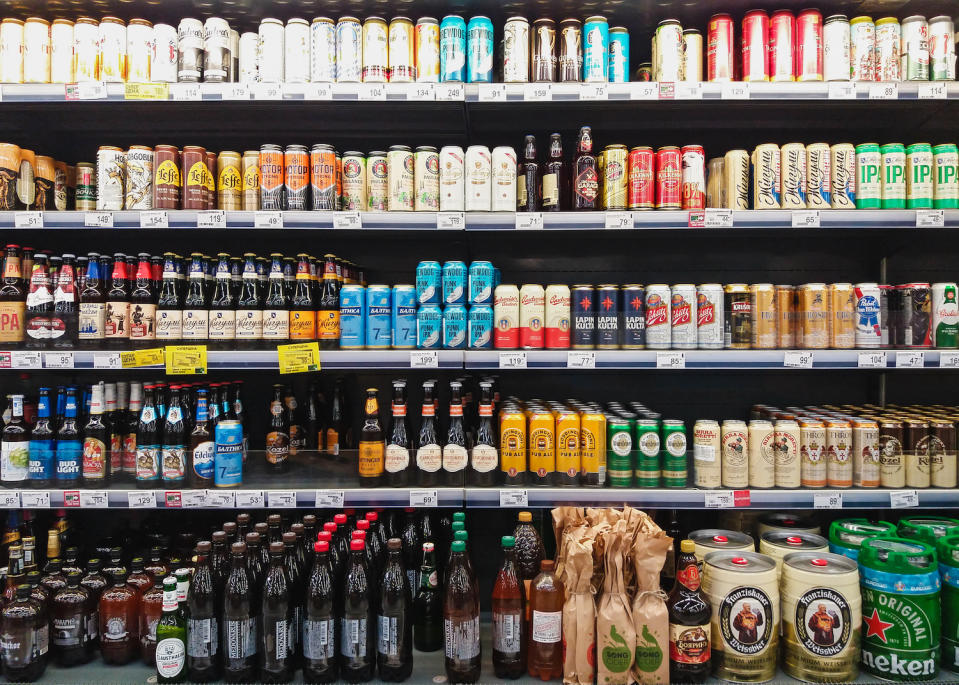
(609, 317)
(910, 316)
(634, 317)
(584, 317)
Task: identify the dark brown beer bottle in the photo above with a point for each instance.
(276, 636)
(528, 179)
(585, 173)
(39, 305)
(394, 654)
(239, 627)
(328, 312)
(278, 435)
(484, 457)
(319, 622)
(555, 178)
(689, 621)
(397, 463)
(429, 454)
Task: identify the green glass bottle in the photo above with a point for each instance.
(171, 637)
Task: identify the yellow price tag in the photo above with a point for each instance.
(299, 358)
(182, 360)
(146, 91)
(150, 357)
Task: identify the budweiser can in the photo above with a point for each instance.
(719, 51)
(36, 50)
(426, 179)
(793, 176)
(766, 176)
(164, 54)
(782, 34)
(888, 49)
(835, 48)
(814, 310)
(715, 194)
(506, 316)
(402, 51)
(692, 55)
(557, 316)
(641, 184)
(694, 177)
(763, 315)
(190, 44)
(809, 50)
(682, 304)
(669, 178)
(658, 333)
(668, 61)
(785, 316)
(297, 46)
(735, 187)
(818, 181)
(709, 316)
(532, 315)
(427, 38)
(452, 184)
(862, 49)
(86, 33)
(570, 60)
(516, 50)
(867, 315)
(755, 46)
(322, 50)
(12, 49)
(842, 312)
(479, 186)
(61, 51)
(504, 180)
(842, 166)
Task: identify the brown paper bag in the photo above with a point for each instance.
(650, 616)
(615, 636)
(579, 614)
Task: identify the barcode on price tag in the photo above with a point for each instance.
(9, 500)
(249, 499)
(734, 90)
(94, 499)
(902, 499)
(883, 91)
(423, 498)
(806, 218)
(798, 359)
(98, 219)
(827, 500)
(35, 499)
(455, 221)
(910, 360)
(576, 359)
(107, 360)
(721, 499)
(529, 220)
(142, 499)
(193, 499)
(512, 360)
(619, 220)
(534, 92)
(930, 218)
(670, 360)
(719, 218)
(492, 92)
(281, 499)
(25, 360)
(514, 498)
(211, 218)
(329, 499)
(267, 219)
(872, 360)
(28, 219)
(349, 219)
(424, 359)
(948, 360)
(154, 219)
(221, 499)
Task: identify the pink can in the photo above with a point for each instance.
(782, 42)
(809, 51)
(719, 50)
(694, 177)
(755, 46)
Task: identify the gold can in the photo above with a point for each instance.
(229, 181)
(735, 187)
(542, 446)
(592, 447)
(43, 180)
(814, 310)
(715, 192)
(614, 177)
(785, 316)
(812, 442)
(512, 431)
(766, 176)
(251, 180)
(942, 452)
(866, 469)
(838, 446)
(601, 170)
(842, 319)
(763, 315)
(60, 186)
(568, 456)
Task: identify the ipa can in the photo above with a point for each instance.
(893, 176)
(868, 179)
(919, 179)
(945, 162)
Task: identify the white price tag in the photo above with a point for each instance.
(94, 499)
(932, 91)
(594, 91)
(185, 92)
(686, 90)
(721, 499)
(267, 91)
(535, 92)
(318, 91)
(902, 499)
(424, 359)
(948, 360)
(28, 219)
(841, 90)
(267, 219)
(872, 360)
(25, 360)
(670, 360)
(91, 91)
(910, 360)
(719, 218)
(193, 499)
(619, 220)
(492, 92)
(281, 499)
(221, 499)
(930, 218)
(450, 92)
(372, 91)
(58, 360)
(35, 499)
(142, 499)
(529, 220)
(349, 219)
(798, 359)
(211, 218)
(827, 500)
(249, 499)
(236, 91)
(512, 360)
(884, 91)
(424, 498)
(107, 360)
(329, 499)
(580, 359)
(421, 91)
(98, 219)
(806, 218)
(514, 498)
(648, 90)
(734, 90)
(9, 500)
(154, 218)
(452, 221)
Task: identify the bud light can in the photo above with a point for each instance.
(404, 317)
(479, 50)
(228, 455)
(453, 48)
(429, 325)
(595, 50)
(480, 327)
(583, 313)
(481, 275)
(429, 287)
(379, 317)
(454, 327)
(352, 317)
(634, 317)
(454, 283)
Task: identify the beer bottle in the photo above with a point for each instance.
(143, 305)
(337, 429)
(529, 550)
(41, 449)
(276, 634)
(555, 178)
(397, 462)
(297, 437)
(13, 299)
(276, 310)
(289, 277)
(114, 430)
(455, 456)
(461, 619)
(96, 460)
(69, 444)
(372, 445)
(196, 309)
(169, 311)
(201, 444)
(315, 430)
(39, 306)
(66, 305)
(116, 325)
(173, 453)
(528, 179)
(202, 658)
(15, 446)
(25, 639)
(428, 605)
(546, 598)
(429, 454)
(249, 307)
(395, 625)
(689, 621)
(356, 633)
(70, 611)
(296, 574)
(328, 314)
(278, 435)
(171, 652)
(254, 559)
(119, 621)
(81, 272)
(222, 306)
(151, 608)
(585, 172)
(484, 457)
(238, 630)
(130, 417)
(509, 638)
(92, 307)
(302, 308)
(319, 621)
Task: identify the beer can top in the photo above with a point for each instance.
(453, 19)
(112, 20)
(400, 20)
(886, 20)
(918, 146)
(754, 13)
(583, 286)
(40, 20)
(349, 153)
(823, 563)
(296, 148)
(348, 20)
(426, 20)
(375, 20)
(836, 17)
(425, 148)
(686, 32)
(914, 18)
(570, 20)
(271, 20)
(598, 20)
(666, 22)
(795, 540)
(322, 20)
(400, 148)
(944, 147)
(623, 29)
(376, 153)
(861, 20)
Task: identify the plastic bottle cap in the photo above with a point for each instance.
(459, 546)
(459, 516)
(359, 535)
(687, 546)
(461, 535)
(819, 562)
(372, 516)
(340, 519)
(740, 561)
(508, 541)
(321, 546)
(324, 536)
(356, 545)
(525, 517)
(793, 540)
(329, 527)
(458, 525)
(362, 524)
(547, 565)
(721, 539)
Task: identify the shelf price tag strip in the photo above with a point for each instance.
(98, 220)
(9, 500)
(28, 219)
(581, 359)
(930, 218)
(424, 359)
(902, 499)
(329, 499)
(871, 360)
(211, 218)
(58, 360)
(107, 360)
(948, 360)
(185, 360)
(910, 360)
(670, 360)
(349, 219)
(514, 498)
(154, 218)
(798, 359)
(267, 219)
(93, 499)
(193, 499)
(249, 499)
(221, 499)
(35, 499)
(827, 500)
(281, 499)
(142, 499)
(512, 360)
(424, 498)
(299, 357)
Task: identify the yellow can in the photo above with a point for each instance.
(614, 177)
(542, 446)
(842, 319)
(251, 180)
(814, 310)
(592, 448)
(229, 181)
(763, 315)
(785, 317)
(569, 461)
(512, 431)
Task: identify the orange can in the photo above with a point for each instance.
(512, 431)
(323, 178)
(785, 316)
(271, 177)
(296, 163)
(814, 309)
(568, 456)
(842, 320)
(763, 310)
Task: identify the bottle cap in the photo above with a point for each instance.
(359, 535)
(324, 536)
(394, 544)
(357, 545)
(459, 546)
(508, 541)
(687, 546)
(321, 546)
(340, 519)
(276, 548)
(362, 524)
(459, 516)
(525, 517)
(547, 565)
(372, 516)
(458, 525)
(329, 527)
(461, 535)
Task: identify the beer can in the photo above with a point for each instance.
(842, 166)
(271, 176)
(762, 450)
(229, 181)
(709, 316)
(251, 179)
(349, 50)
(737, 319)
(543, 54)
(454, 283)
(43, 188)
(452, 49)
(888, 49)
(595, 49)
(60, 187)
(809, 47)
(569, 462)
(516, 57)
(785, 317)
(583, 317)
(507, 317)
(247, 61)
(694, 177)
(542, 442)
(354, 182)
(914, 64)
(614, 177)
(669, 177)
(399, 161)
(658, 316)
(683, 328)
(138, 188)
(707, 454)
(478, 181)
(868, 179)
(353, 309)
(112, 44)
(86, 34)
(919, 178)
(609, 317)
(782, 34)
(719, 54)
(812, 452)
(479, 50)
(429, 283)
(36, 50)
(297, 46)
(641, 184)
(403, 317)
(454, 327)
(715, 192)
(945, 316)
(190, 42)
(427, 39)
(788, 467)
(379, 317)
(669, 65)
(692, 55)
(139, 50)
(217, 60)
(862, 49)
(504, 179)
(942, 452)
(646, 446)
(763, 315)
(736, 180)
(818, 180)
(767, 175)
(910, 316)
(634, 317)
(945, 164)
(86, 193)
(865, 453)
(814, 312)
(377, 181)
(619, 54)
(674, 457)
(893, 173)
(884, 314)
(271, 51)
(61, 51)
(793, 176)
(942, 48)
(209, 180)
(480, 327)
(322, 50)
(429, 327)
(401, 51)
(228, 454)
(836, 48)
(570, 51)
(375, 50)
(838, 447)
(532, 315)
(296, 176)
(452, 184)
(867, 315)
(755, 46)
(426, 179)
(111, 178)
(12, 50)
(480, 287)
(734, 443)
(557, 316)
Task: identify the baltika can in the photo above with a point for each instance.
(595, 49)
(835, 48)
(532, 316)
(480, 288)
(426, 179)
(429, 327)
(915, 49)
(479, 50)
(609, 316)
(454, 283)
(619, 55)
(719, 53)
(403, 317)
(349, 50)
(570, 60)
(868, 178)
(694, 177)
(709, 316)
(683, 318)
(919, 178)
(945, 316)
(942, 48)
(867, 315)
(641, 182)
(583, 314)
(353, 308)
(354, 181)
(893, 173)
(782, 35)
(322, 50)
(658, 321)
(793, 176)
(379, 317)
(426, 35)
(669, 177)
(634, 317)
(888, 49)
(557, 316)
(945, 167)
(429, 282)
(818, 180)
(452, 179)
(296, 176)
(228, 454)
(452, 49)
(862, 49)
(809, 49)
(506, 316)
(516, 50)
(503, 165)
(454, 327)
(668, 62)
(478, 182)
(755, 46)
(377, 181)
(399, 175)
(692, 55)
(842, 167)
(767, 173)
(734, 193)
(375, 51)
(900, 587)
(479, 327)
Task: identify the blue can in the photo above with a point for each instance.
(42, 457)
(454, 283)
(353, 317)
(480, 327)
(404, 317)
(618, 55)
(479, 50)
(452, 48)
(429, 327)
(379, 317)
(595, 49)
(454, 327)
(228, 455)
(429, 279)
(481, 275)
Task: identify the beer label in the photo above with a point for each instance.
(328, 325)
(249, 324)
(746, 620)
(222, 325)
(823, 622)
(318, 639)
(371, 458)
(169, 324)
(14, 460)
(507, 633)
(550, 191)
(116, 322)
(302, 325)
(689, 577)
(148, 462)
(689, 644)
(353, 633)
(230, 179)
(197, 174)
(142, 321)
(174, 462)
(203, 455)
(462, 638)
(676, 444)
(390, 630)
(202, 637)
(397, 459)
(454, 458)
(11, 321)
(547, 626)
(484, 458)
(94, 458)
(91, 320)
(168, 173)
(196, 324)
(276, 324)
(648, 444)
(734, 448)
(429, 458)
(542, 459)
(587, 184)
(251, 178)
(241, 638)
(277, 447)
(513, 450)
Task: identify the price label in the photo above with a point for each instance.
(146, 91)
(267, 91)
(644, 91)
(424, 359)
(670, 360)
(718, 218)
(932, 91)
(88, 91)
(107, 360)
(424, 498)
(450, 92)
(806, 218)
(236, 91)
(734, 90)
(594, 91)
(318, 91)
(451, 221)
(281, 499)
(35, 499)
(883, 91)
(372, 91)
(150, 357)
(221, 499)
(580, 359)
(798, 359)
(267, 219)
(347, 220)
(535, 92)
(827, 500)
(94, 499)
(948, 360)
(25, 360)
(687, 90)
(211, 218)
(28, 219)
(619, 220)
(839, 90)
(492, 92)
(9, 500)
(930, 218)
(696, 218)
(154, 218)
(185, 92)
(421, 91)
(902, 499)
(529, 220)
(249, 499)
(98, 219)
(173, 499)
(871, 360)
(667, 90)
(329, 499)
(299, 357)
(71, 498)
(721, 499)
(58, 360)
(512, 360)
(514, 498)
(142, 499)
(194, 499)
(185, 360)
(910, 360)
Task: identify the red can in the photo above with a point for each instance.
(719, 48)
(669, 177)
(641, 179)
(755, 45)
(694, 177)
(809, 46)
(782, 42)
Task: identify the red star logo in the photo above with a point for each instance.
(637, 303)
(586, 304)
(876, 626)
(607, 303)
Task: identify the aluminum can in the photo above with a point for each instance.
(61, 51)
(945, 165)
(862, 49)
(36, 50)
(669, 64)
(557, 316)
(543, 51)
(609, 317)
(427, 39)
(271, 176)
(658, 317)
(164, 54)
(112, 50)
(694, 177)
(228, 454)
(634, 317)
(426, 179)
(669, 177)
(793, 176)
(322, 50)
(229, 180)
(884, 313)
(842, 165)
(614, 177)
(454, 327)
(734, 192)
(763, 315)
(675, 471)
(190, 44)
(709, 316)
(893, 176)
(429, 283)
(247, 64)
(375, 39)
(349, 50)
(251, 179)
(271, 51)
(910, 316)
(888, 49)
(570, 51)
(812, 452)
(788, 467)
(504, 179)
(506, 316)
(209, 179)
(647, 452)
(60, 187)
(454, 283)
(619, 54)
(641, 182)
(755, 46)
(692, 55)
(480, 327)
(516, 47)
(785, 316)
(818, 181)
(762, 450)
(782, 34)
(379, 317)
(86, 34)
(707, 454)
(767, 176)
(43, 180)
(399, 160)
(914, 65)
(942, 48)
(866, 469)
(12, 50)
(167, 183)
(111, 178)
(479, 50)
(478, 181)
(480, 288)
(402, 51)
(836, 48)
(683, 317)
(867, 315)
(719, 54)
(583, 317)
(452, 49)
(919, 177)
(354, 182)
(353, 309)
(217, 59)
(296, 176)
(429, 327)
(297, 45)
(138, 188)
(945, 316)
(532, 316)
(737, 317)
(595, 49)
(452, 183)
(734, 443)
(86, 193)
(377, 181)
(403, 317)
(868, 178)
(814, 311)
(809, 46)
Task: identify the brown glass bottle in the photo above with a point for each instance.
(585, 182)
(119, 622)
(70, 615)
(25, 638)
(395, 621)
(461, 619)
(555, 177)
(278, 435)
(276, 635)
(372, 445)
(116, 331)
(93, 299)
(455, 454)
(319, 622)
(143, 305)
(484, 456)
(689, 621)
(509, 639)
(13, 299)
(202, 649)
(151, 607)
(238, 630)
(528, 179)
(356, 624)
(546, 597)
(201, 444)
(39, 305)
(397, 461)
(66, 304)
(429, 454)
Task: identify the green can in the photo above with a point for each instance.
(868, 176)
(893, 176)
(928, 529)
(947, 549)
(619, 452)
(847, 535)
(648, 448)
(675, 464)
(900, 609)
(919, 180)
(945, 168)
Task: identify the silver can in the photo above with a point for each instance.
(842, 165)
(478, 173)
(112, 39)
(11, 50)
(138, 188)
(322, 50)
(942, 49)
(658, 334)
(139, 51)
(349, 50)
(862, 49)
(452, 182)
(693, 55)
(868, 315)
(402, 52)
(426, 179)
(249, 47)
(61, 51)
(164, 54)
(915, 49)
(216, 50)
(190, 43)
(516, 50)
(234, 55)
(835, 48)
(888, 37)
(271, 51)
(86, 33)
(709, 316)
(36, 50)
(683, 316)
(296, 41)
(111, 178)
(668, 61)
(504, 179)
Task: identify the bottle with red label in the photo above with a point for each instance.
(689, 619)
(96, 439)
(585, 172)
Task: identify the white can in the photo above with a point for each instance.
(767, 176)
(164, 54)
(693, 55)
(11, 51)
(86, 33)
(504, 179)
(658, 334)
(138, 186)
(532, 315)
(111, 178)
(297, 44)
(216, 50)
(888, 48)
(61, 51)
(842, 166)
(426, 36)
(668, 61)
(36, 51)
(506, 316)
(868, 316)
(818, 176)
(189, 35)
(112, 39)
(516, 51)
(788, 465)
(139, 51)
(707, 453)
(402, 51)
(942, 49)
(234, 67)
(478, 171)
(271, 52)
(914, 64)
(735, 454)
(709, 316)
(452, 183)
(862, 49)
(349, 50)
(249, 49)
(322, 50)
(682, 304)
(376, 60)
(426, 179)
(835, 48)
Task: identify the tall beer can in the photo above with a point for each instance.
(914, 65)
(942, 48)
(402, 51)
(865, 453)
(835, 48)
(888, 49)
(755, 46)
(707, 454)
(217, 60)
(763, 315)
(543, 51)
(788, 466)
(919, 179)
(399, 163)
(868, 180)
(61, 51)
(354, 181)
(945, 316)
(719, 55)
(376, 63)
(809, 49)
(377, 181)
(138, 190)
(785, 316)
(113, 49)
(453, 49)
(735, 454)
(818, 180)
(12, 49)
(793, 176)
(694, 177)
(842, 324)
(516, 50)
(736, 179)
(737, 317)
(297, 45)
(296, 176)
(669, 177)
(570, 51)
(247, 65)
(271, 52)
(426, 179)
(583, 307)
(322, 50)
(504, 179)
(709, 316)
(668, 62)
(229, 181)
(164, 54)
(86, 33)
(609, 317)
(426, 35)
(251, 179)
(814, 312)
(683, 328)
(715, 192)
(111, 178)
(842, 166)
(893, 176)
(139, 51)
(349, 50)
(452, 183)
(867, 315)
(782, 34)
(692, 55)
(506, 317)
(614, 177)
(767, 176)
(36, 50)
(812, 452)
(862, 49)
(557, 316)
(762, 451)
(595, 49)
(945, 166)
(634, 317)
(619, 54)
(658, 321)
(478, 172)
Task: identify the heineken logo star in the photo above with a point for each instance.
(876, 626)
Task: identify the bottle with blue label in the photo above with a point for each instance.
(201, 444)
(429, 325)
(42, 454)
(454, 327)
(68, 443)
